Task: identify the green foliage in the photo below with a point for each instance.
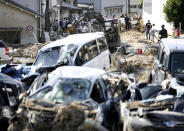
(141, 3)
(174, 12)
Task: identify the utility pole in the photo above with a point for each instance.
(128, 7)
(47, 17)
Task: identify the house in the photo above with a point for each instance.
(153, 11)
(135, 8)
(19, 23)
(113, 7)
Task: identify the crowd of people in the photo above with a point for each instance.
(125, 24)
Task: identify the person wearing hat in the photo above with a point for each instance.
(163, 32)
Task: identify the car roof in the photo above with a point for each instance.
(76, 39)
(173, 44)
(88, 73)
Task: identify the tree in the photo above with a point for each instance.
(174, 12)
(141, 3)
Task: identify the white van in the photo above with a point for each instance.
(88, 49)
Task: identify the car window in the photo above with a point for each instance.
(82, 56)
(49, 57)
(2, 45)
(177, 63)
(66, 90)
(102, 44)
(97, 94)
(92, 49)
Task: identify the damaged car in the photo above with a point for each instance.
(10, 90)
(169, 62)
(98, 94)
(161, 115)
(89, 50)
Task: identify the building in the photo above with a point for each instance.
(135, 8)
(153, 11)
(113, 7)
(19, 21)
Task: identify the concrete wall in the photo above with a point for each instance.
(112, 3)
(32, 4)
(136, 10)
(154, 12)
(12, 17)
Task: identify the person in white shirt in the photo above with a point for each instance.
(152, 32)
(83, 28)
(122, 23)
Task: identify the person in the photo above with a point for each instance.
(148, 28)
(127, 22)
(152, 32)
(163, 32)
(122, 23)
(112, 33)
(83, 28)
(177, 31)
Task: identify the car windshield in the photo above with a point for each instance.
(55, 55)
(177, 64)
(65, 90)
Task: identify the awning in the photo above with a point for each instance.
(11, 29)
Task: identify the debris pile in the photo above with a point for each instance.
(29, 51)
(141, 65)
(50, 117)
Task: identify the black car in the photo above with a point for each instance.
(10, 90)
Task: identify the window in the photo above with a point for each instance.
(82, 56)
(102, 44)
(97, 94)
(92, 49)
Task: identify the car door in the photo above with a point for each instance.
(160, 69)
(104, 56)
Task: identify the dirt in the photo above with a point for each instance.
(140, 64)
(26, 53)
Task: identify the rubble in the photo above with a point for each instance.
(29, 51)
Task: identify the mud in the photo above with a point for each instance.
(139, 64)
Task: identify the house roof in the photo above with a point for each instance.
(22, 7)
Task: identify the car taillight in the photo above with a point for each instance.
(6, 51)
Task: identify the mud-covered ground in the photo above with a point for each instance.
(139, 64)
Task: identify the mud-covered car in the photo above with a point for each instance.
(169, 62)
(96, 92)
(164, 115)
(10, 89)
